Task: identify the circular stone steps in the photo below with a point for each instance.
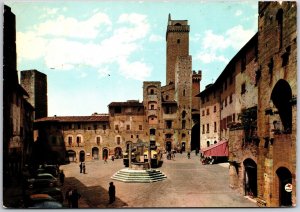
(139, 176)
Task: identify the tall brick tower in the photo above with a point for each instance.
(35, 83)
(177, 38)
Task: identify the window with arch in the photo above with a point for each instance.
(208, 143)
(178, 41)
(118, 140)
(183, 114)
(79, 140)
(183, 92)
(70, 140)
(279, 18)
(98, 140)
(167, 97)
(152, 119)
(152, 131)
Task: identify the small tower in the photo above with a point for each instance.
(177, 38)
(196, 78)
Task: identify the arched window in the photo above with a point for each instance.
(279, 18)
(183, 114)
(98, 140)
(70, 140)
(152, 131)
(118, 140)
(79, 140)
(183, 93)
(207, 143)
(178, 41)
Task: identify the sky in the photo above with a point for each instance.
(98, 52)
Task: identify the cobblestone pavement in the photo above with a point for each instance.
(188, 184)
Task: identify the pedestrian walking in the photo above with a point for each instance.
(105, 159)
(68, 197)
(74, 198)
(62, 177)
(83, 168)
(189, 155)
(80, 166)
(112, 192)
(112, 158)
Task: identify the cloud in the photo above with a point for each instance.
(214, 45)
(71, 27)
(155, 38)
(238, 13)
(134, 70)
(64, 51)
(211, 57)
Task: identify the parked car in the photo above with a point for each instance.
(42, 180)
(42, 201)
(51, 169)
(54, 192)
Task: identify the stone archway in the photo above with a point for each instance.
(281, 97)
(71, 156)
(81, 156)
(105, 153)
(284, 178)
(195, 138)
(168, 146)
(95, 153)
(118, 152)
(250, 177)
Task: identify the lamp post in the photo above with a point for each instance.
(129, 156)
(149, 155)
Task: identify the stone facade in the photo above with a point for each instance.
(17, 112)
(164, 119)
(35, 83)
(277, 111)
(258, 109)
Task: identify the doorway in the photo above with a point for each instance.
(285, 177)
(81, 156)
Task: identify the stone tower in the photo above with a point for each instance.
(177, 38)
(196, 78)
(35, 83)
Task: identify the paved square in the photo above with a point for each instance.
(188, 184)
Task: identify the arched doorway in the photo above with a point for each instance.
(81, 156)
(183, 146)
(281, 97)
(168, 146)
(95, 153)
(105, 153)
(250, 177)
(71, 155)
(195, 140)
(118, 152)
(285, 177)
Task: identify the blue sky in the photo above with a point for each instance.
(97, 52)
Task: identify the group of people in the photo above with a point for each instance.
(72, 196)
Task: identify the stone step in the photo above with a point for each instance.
(139, 176)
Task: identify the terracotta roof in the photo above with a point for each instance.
(94, 118)
(126, 104)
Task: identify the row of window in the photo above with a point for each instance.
(79, 127)
(207, 128)
(128, 127)
(98, 140)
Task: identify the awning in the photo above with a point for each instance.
(218, 149)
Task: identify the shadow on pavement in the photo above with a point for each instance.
(93, 196)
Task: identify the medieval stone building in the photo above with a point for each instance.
(35, 83)
(17, 111)
(256, 94)
(168, 117)
(277, 108)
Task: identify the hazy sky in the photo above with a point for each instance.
(97, 52)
